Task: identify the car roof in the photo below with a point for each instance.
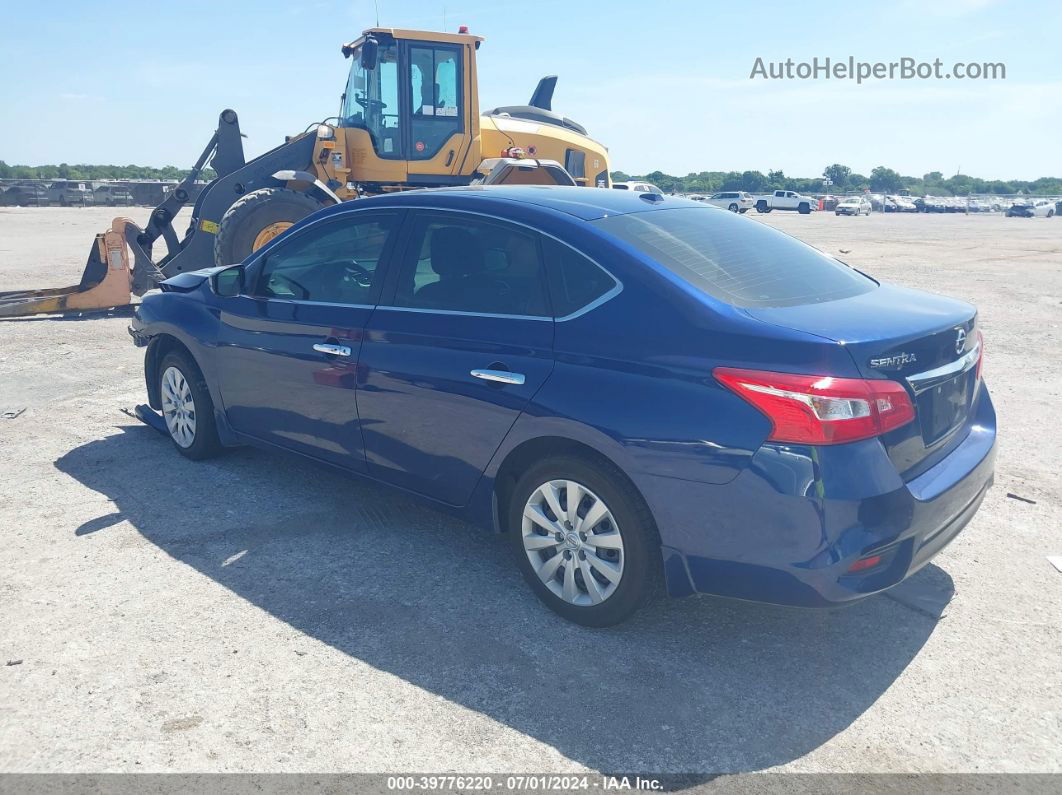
(585, 203)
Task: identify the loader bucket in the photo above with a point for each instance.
(105, 283)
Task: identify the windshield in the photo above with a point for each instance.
(371, 100)
(736, 260)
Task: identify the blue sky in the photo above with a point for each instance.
(663, 84)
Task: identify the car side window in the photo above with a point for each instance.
(574, 280)
(333, 262)
(462, 264)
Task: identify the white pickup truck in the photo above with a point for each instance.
(786, 200)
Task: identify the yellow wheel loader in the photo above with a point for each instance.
(409, 118)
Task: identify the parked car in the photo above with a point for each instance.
(25, 194)
(853, 205)
(785, 200)
(638, 187)
(114, 196)
(899, 204)
(1032, 208)
(632, 388)
(70, 194)
(735, 201)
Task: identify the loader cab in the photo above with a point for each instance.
(409, 111)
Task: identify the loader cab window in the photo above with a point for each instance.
(435, 98)
(371, 101)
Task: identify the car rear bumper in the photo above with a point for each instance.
(789, 528)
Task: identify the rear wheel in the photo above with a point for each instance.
(586, 545)
(733, 208)
(255, 219)
(761, 207)
(187, 407)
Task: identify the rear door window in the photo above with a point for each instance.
(460, 264)
(742, 262)
(575, 282)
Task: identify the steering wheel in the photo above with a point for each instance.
(360, 276)
(296, 289)
(365, 102)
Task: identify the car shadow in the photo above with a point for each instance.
(693, 686)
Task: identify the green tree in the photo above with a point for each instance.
(753, 181)
(838, 174)
(885, 180)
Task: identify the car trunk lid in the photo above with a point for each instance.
(926, 342)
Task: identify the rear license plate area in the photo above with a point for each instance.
(943, 408)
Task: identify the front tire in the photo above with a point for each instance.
(256, 218)
(187, 407)
(584, 541)
(804, 209)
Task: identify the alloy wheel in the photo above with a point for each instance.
(178, 408)
(573, 543)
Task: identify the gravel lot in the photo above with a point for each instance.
(258, 613)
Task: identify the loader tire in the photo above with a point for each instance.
(255, 219)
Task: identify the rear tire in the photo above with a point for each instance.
(761, 207)
(620, 553)
(252, 217)
(187, 407)
(733, 208)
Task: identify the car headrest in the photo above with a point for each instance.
(455, 252)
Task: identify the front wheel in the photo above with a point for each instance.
(187, 407)
(804, 209)
(584, 542)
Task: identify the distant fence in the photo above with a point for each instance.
(86, 193)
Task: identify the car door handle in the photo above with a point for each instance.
(499, 376)
(332, 350)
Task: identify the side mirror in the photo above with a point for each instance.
(369, 51)
(229, 282)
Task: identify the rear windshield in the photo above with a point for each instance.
(742, 262)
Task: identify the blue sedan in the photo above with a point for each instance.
(641, 392)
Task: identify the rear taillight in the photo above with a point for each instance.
(821, 409)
